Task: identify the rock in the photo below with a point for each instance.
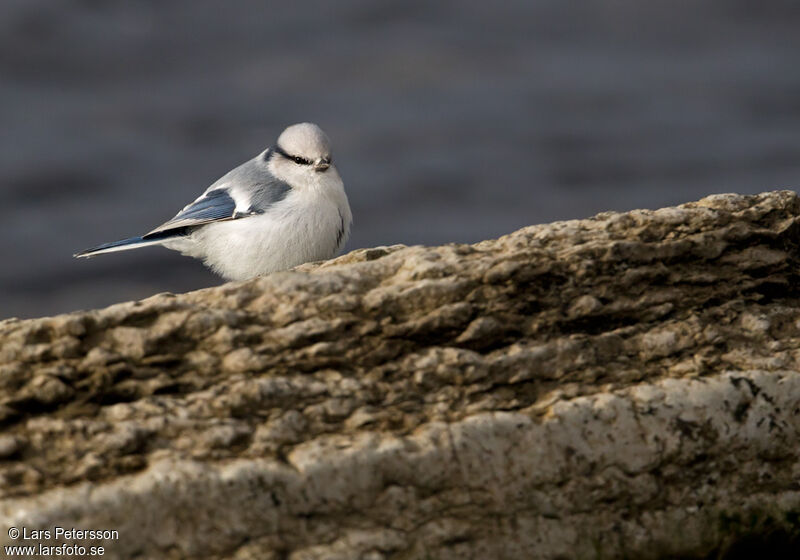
(622, 386)
(9, 446)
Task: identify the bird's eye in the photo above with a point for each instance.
(297, 159)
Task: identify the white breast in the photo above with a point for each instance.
(310, 224)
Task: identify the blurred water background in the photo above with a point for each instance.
(451, 120)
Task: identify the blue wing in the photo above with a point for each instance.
(249, 187)
(213, 206)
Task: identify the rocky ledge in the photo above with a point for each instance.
(622, 386)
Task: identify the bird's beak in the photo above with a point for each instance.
(322, 164)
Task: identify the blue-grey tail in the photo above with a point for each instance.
(123, 245)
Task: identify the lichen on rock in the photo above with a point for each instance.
(625, 385)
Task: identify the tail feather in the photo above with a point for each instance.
(123, 245)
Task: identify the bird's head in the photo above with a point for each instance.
(301, 152)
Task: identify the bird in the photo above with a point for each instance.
(285, 207)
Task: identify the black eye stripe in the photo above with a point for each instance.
(297, 159)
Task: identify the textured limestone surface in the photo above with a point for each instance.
(622, 386)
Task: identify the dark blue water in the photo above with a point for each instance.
(451, 121)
